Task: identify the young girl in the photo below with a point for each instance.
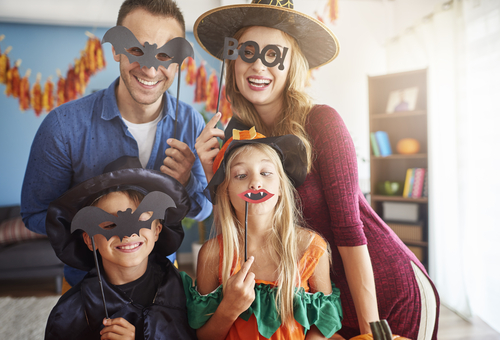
(283, 290)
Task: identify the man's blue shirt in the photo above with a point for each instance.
(78, 139)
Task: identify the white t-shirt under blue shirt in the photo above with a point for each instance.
(144, 134)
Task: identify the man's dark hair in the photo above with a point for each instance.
(166, 8)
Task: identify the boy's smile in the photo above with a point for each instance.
(129, 247)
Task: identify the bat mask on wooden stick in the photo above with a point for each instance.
(94, 220)
(149, 55)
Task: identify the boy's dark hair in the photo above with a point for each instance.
(166, 8)
(134, 195)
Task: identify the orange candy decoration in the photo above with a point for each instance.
(408, 146)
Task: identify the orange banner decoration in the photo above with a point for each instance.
(94, 56)
(191, 71)
(48, 95)
(200, 92)
(99, 54)
(212, 93)
(225, 107)
(91, 60)
(13, 81)
(332, 10)
(24, 92)
(80, 83)
(70, 85)
(4, 65)
(37, 96)
(61, 84)
(90, 55)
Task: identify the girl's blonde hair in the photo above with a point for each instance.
(284, 235)
(296, 102)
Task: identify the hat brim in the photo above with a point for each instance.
(316, 40)
(290, 149)
(71, 249)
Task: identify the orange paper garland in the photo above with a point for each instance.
(73, 86)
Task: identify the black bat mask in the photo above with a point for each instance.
(123, 40)
(127, 222)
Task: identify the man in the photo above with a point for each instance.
(133, 117)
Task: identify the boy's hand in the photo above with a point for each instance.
(240, 292)
(118, 328)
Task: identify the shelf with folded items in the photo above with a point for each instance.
(388, 132)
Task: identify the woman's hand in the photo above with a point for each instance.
(359, 274)
(239, 293)
(207, 145)
(118, 328)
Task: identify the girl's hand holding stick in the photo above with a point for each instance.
(239, 293)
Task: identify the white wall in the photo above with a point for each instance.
(407, 12)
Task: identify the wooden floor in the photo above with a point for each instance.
(451, 326)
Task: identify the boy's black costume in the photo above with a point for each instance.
(155, 303)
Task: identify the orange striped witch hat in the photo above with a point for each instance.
(289, 147)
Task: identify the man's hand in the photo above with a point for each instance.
(207, 145)
(118, 328)
(179, 161)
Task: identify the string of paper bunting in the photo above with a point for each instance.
(331, 11)
(68, 88)
(207, 90)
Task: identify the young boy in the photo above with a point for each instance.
(131, 217)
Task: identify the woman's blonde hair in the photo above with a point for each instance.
(296, 102)
(284, 234)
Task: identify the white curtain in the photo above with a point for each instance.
(459, 44)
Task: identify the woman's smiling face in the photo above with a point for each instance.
(261, 85)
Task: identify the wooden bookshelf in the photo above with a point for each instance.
(399, 125)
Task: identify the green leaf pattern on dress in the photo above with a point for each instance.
(324, 311)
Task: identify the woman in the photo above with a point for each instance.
(378, 276)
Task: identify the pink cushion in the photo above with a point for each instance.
(13, 230)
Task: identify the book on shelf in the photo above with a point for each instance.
(384, 145)
(373, 142)
(418, 183)
(425, 189)
(415, 183)
(406, 189)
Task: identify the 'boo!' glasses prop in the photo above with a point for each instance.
(270, 56)
(175, 51)
(95, 221)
